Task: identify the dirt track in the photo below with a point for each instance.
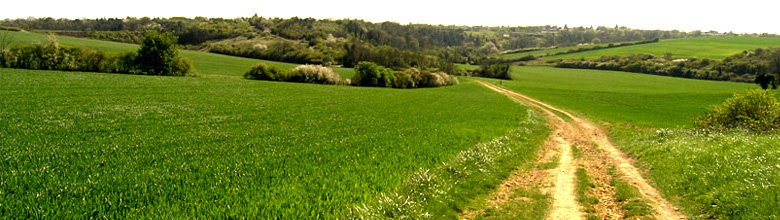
(601, 154)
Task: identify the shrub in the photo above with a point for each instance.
(409, 78)
(494, 70)
(158, 56)
(267, 72)
(316, 74)
(755, 110)
(181, 67)
(52, 56)
(437, 80)
(371, 74)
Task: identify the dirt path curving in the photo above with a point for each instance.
(582, 132)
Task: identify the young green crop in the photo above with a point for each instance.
(623, 98)
(96, 145)
(700, 47)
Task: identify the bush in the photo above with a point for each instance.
(437, 80)
(158, 56)
(409, 78)
(267, 72)
(150, 60)
(494, 70)
(371, 74)
(316, 74)
(756, 110)
(52, 56)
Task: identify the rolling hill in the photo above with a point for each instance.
(699, 47)
(203, 62)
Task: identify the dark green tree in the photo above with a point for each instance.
(371, 74)
(774, 67)
(157, 55)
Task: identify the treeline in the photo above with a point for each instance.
(761, 66)
(411, 36)
(367, 74)
(344, 41)
(157, 56)
(580, 49)
(599, 47)
(133, 37)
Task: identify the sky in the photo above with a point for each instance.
(743, 16)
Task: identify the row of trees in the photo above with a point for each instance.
(407, 37)
(345, 41)
(760, 66)
(157, 56)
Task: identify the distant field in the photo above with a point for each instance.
(700, 47)
(623, 98)
(203, 62)
(545, 52)
(110, 145)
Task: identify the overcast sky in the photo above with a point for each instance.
(743, 16)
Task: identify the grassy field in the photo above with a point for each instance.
(731, 175)
(545, 51)
(203, 62)
(700, 47)
(710, 175)
(623, 98)
(101, 145)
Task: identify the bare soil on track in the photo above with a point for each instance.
(599, 156)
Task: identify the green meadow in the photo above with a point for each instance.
(96, 145)
(623, 98)
(545, 52)
(719, 175)
(699, 47)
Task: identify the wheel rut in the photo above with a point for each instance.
(600, 154)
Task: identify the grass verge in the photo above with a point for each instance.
(729, 175)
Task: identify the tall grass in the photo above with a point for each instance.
(721, 175)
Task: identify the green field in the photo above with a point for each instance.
(97, 145)
(700, 47)
(623, 98)
(709, 175)
(203, 63)
(111, 145)
(545, 51)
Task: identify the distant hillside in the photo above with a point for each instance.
(701, 47)
(203, 62)
(343, 42)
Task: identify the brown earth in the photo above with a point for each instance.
(599, 156)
